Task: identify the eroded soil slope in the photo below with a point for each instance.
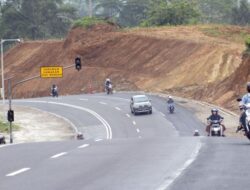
(198, 62)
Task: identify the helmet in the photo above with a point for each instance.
(108, 80)
(248, 87)
(214, 110)
(169, 97)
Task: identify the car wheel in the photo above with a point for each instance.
(150, 112)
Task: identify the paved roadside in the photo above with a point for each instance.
(202, 110)
(37, 126)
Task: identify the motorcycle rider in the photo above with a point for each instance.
(170, 101)
(54, 91)
(108, 84)
(215, 116)
(244, 101)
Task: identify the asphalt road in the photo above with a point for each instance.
(122, 151)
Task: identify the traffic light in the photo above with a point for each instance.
(78, 63)
(10, 115)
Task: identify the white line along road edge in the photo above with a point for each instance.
(103, 121)
(17, 172)
(192, 158)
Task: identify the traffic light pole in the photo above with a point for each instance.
(10, 87)
(10, 98)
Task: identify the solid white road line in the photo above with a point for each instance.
(138, 130)
(83, 146)
(171, 179)
(117, 108)
(128, 115)
(59, 155)
(17, 172)
(103, 121)
(134, 123)
(103, 103)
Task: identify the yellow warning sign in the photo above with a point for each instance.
(51, 72)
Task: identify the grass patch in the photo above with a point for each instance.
(231, 33)
(4, 127)
(87, 22)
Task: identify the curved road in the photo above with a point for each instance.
(123, 151)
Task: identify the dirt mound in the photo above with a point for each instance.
(188, 61)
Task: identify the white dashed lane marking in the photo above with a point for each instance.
(17, 172)
(83, 146)
(84, 99)
(103, 103)
(59, 155)
(134, 123)
(117, 108)
(138, 130)
(97, 140)
(128, 115)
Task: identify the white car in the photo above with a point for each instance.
(140, 104)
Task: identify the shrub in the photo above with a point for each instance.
(87, 22)
(247, 42)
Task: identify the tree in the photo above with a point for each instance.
(36, 19)
(216, 11)
(162, 12)
(133, 12)
(108, 8)
(241, 14)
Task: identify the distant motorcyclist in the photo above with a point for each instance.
(242, 105)
(215, 117)
(54, 91)
(170, 103)
(170, 100)
(108, 86)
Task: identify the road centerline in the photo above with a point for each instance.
(103, 103)
(17, 172)
(83, 146)
(59, 155)
(117, 108)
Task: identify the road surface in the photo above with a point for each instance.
(122, 151)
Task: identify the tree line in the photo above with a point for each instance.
(43, 19)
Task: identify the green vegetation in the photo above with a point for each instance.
(45, 19)
(87, 22)
(227, 32)
(247, 42)
(35, 19)
(4, 127)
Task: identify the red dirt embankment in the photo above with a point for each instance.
(186, 61)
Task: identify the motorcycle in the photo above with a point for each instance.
(246, 113)
(54, 92)
(109, 89)
(246, 128)
(216, 128)
(171, 108)
(2, 139)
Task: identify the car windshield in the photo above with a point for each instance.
(141, 99)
